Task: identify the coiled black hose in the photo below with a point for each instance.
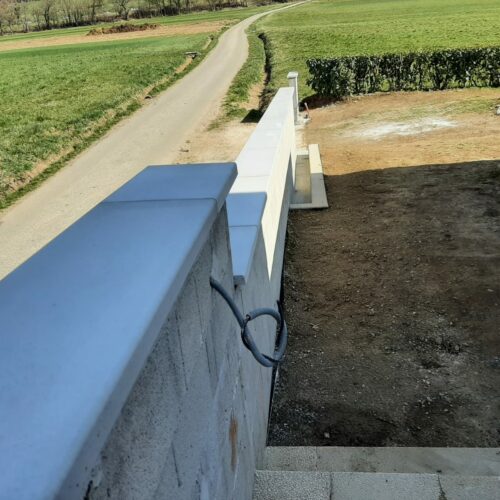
(246, 337)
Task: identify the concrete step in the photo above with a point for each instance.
(446, 461)
(299, 485)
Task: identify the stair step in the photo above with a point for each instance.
(299, 485)
(445, 461)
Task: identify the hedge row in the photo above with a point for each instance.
(342, 76)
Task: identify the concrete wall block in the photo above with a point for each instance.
(245, 467)
(219, 447)
(213, 361)
(189, 325)
(137, 448)
(201, 274)
(207, 476)
(190, 435)
(223, 325)
(221, 250)
(222, 488)
(168, 485)
(252, 388)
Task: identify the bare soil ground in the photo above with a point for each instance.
(392, 294)
(165, 31)
(221, 144)
(221, 141)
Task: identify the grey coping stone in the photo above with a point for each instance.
(243, 242)
(380, 486)
(470, 488)
(257, 161)
(164, 182)
(245, 209)
(251, 184)
(292, 485)
(265, 138)
(78, 322)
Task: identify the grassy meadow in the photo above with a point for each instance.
(54, 101)
(351, 27)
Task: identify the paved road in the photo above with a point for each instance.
(152, 135)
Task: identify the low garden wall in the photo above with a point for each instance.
(123, 374)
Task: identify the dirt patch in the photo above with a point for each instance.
(219, 144)
(392, 294)
(407, 129)
(410, 127)
(122, 28)
(160, 31)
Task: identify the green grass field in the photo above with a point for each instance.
(349, 27)
(54, 98)
(54, 101)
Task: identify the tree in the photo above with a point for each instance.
(94, 6)
(213, 4)
(175, 5)
(122, 7)
(24, 16)
(4, 7)
(48, 12)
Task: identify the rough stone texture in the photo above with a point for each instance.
(444, 461)
(270, 485)
(289, 485)
(363, 486)
(470, 488)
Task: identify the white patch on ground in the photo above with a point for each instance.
(412, 127)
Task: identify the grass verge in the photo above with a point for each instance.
(235, 105)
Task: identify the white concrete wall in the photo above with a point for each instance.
(266, 164)
(128, 378)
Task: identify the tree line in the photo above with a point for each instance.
(26, 15)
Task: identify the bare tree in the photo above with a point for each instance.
(175, 5)
(24, 16)
(48, 12)
(94, 6)
(4, 6)
(122, 7)
(213, 4)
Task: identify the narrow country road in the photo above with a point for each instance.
(152, 135)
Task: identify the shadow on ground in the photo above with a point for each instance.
(392, 297)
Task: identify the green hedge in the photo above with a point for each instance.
(342, 76)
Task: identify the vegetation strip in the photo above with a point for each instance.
(342, 76)
(249, 76)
